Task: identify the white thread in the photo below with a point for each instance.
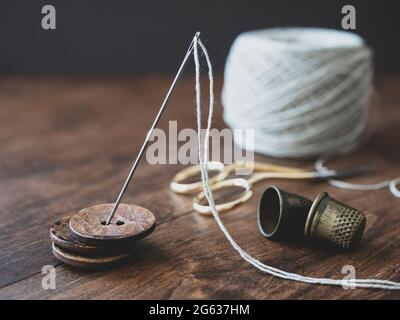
(392, 183)
(203, 159)
(305, 91)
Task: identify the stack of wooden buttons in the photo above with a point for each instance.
(85, 240)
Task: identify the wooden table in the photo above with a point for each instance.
(68, 143)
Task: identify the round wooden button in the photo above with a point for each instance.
(130, 222)
(62, 236)
(90, 261)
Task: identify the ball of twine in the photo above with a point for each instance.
(305, 91)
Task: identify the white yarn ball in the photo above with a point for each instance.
(305, 91)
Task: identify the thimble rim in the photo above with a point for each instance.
(312, 212)
(260, 213)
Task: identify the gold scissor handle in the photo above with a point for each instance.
(237, 182)
(177, 185)
(263, 167)
(246, 185)
(265, 171)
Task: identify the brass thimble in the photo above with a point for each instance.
(282, 215)
(335, 222)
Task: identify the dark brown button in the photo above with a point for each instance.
(130, 222)
(62, 236)
(90, 261)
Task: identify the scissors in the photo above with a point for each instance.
(262, 171)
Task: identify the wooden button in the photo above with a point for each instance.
(130, 222)
(90, 261)
(62, 236)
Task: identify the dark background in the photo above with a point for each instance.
(125, 36)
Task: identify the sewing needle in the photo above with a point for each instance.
(154, 125)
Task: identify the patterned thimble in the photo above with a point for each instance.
(332, 221)
(282, 215)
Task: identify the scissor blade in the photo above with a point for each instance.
(345, 173)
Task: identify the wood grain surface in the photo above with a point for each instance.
(68, 143)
